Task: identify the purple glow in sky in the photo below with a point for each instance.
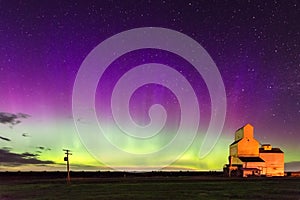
(255, 46)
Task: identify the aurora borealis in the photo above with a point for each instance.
(255, 46)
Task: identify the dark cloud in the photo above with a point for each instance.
(29, 155)
(12, 119)
(8, 158)
(292, 166)
(25, 135)
(41, 148)
(4, 138)
(7, 148)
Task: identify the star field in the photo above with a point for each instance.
(255, 45)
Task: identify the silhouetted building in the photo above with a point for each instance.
(247, 157)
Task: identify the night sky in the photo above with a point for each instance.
(255, 46)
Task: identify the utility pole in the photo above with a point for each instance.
(66, 158)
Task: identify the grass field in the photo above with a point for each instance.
(152, 188)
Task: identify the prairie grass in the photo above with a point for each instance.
(152, 188)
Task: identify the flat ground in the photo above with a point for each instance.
(151, 188)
